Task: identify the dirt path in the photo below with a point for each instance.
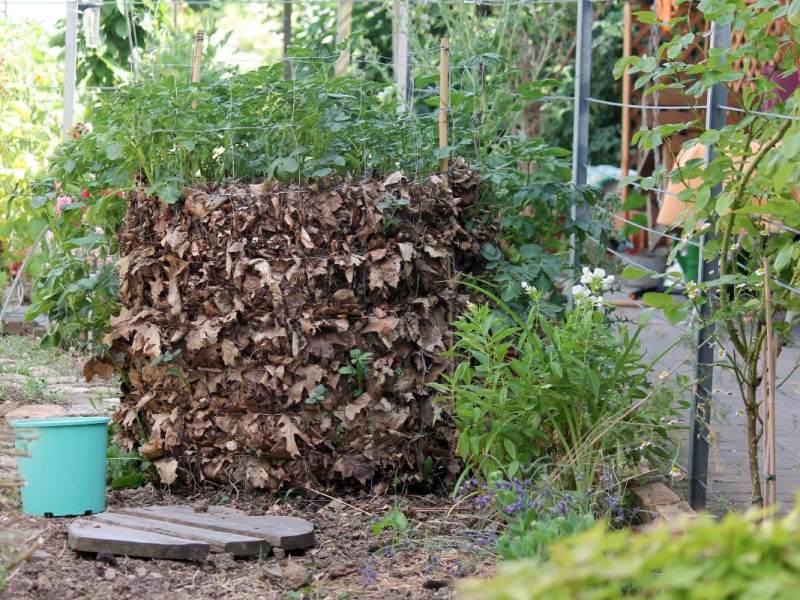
(348, 561)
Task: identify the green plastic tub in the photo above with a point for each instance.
(62, 464)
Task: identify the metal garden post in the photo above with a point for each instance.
(401, 21)
(580, 132)
(704, 360)
(70, 66)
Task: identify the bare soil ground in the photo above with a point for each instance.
(442, 544)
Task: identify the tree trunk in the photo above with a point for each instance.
(753, 435)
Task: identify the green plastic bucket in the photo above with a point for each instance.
(62, 464)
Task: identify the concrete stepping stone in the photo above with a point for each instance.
(181, 533)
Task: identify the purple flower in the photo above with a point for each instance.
(370, 575)
(483, 501)
(562, 506)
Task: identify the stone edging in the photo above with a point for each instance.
(660, 503)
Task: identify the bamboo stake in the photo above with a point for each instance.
(765, 421)
(444, 102)
(344, 26)
(771, 483)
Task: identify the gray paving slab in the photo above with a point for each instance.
(729, 481)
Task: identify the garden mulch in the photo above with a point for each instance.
(442, 544)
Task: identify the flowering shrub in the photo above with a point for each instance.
(78, 288)
(594, 283)
(573, 395)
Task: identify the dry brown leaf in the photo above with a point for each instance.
(97, 367)
(230, 352)
(167, 470)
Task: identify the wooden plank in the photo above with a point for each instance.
(218, 541)
(89, 536)
(288, 533)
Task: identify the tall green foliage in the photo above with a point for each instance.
(571, 395)
(755, 163)
(30, 114)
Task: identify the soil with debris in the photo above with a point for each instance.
(442, 543)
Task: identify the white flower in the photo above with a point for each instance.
(581, 292)
(592, 278)
(676, 473)
(529, 289)
(691, 290)
(663, 375)
(608, 282)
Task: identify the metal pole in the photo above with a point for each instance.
(287, 38)
(704, 361)
(400, 47)
(580, 131)
(344, 27)
(70, 67)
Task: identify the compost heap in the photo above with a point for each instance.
(245, 308)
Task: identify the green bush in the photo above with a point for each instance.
(742, 556)
(572, 394)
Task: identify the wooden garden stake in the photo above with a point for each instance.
(765, 422)
(444, 102)
(198, 56)
(196, 60)
(344, 26)
(771, 487)
(625, 150)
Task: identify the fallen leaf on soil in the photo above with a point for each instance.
(295, 575)
(167, 470)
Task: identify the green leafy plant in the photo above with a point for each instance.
(395, 521)
(126, 469)
(534, 513)
(755, 163)
(358, 368)
(29, 120)
(573, 394)
(741, 556)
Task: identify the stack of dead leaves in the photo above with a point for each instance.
(243, 305)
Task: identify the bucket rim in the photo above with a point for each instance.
(58, 422)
